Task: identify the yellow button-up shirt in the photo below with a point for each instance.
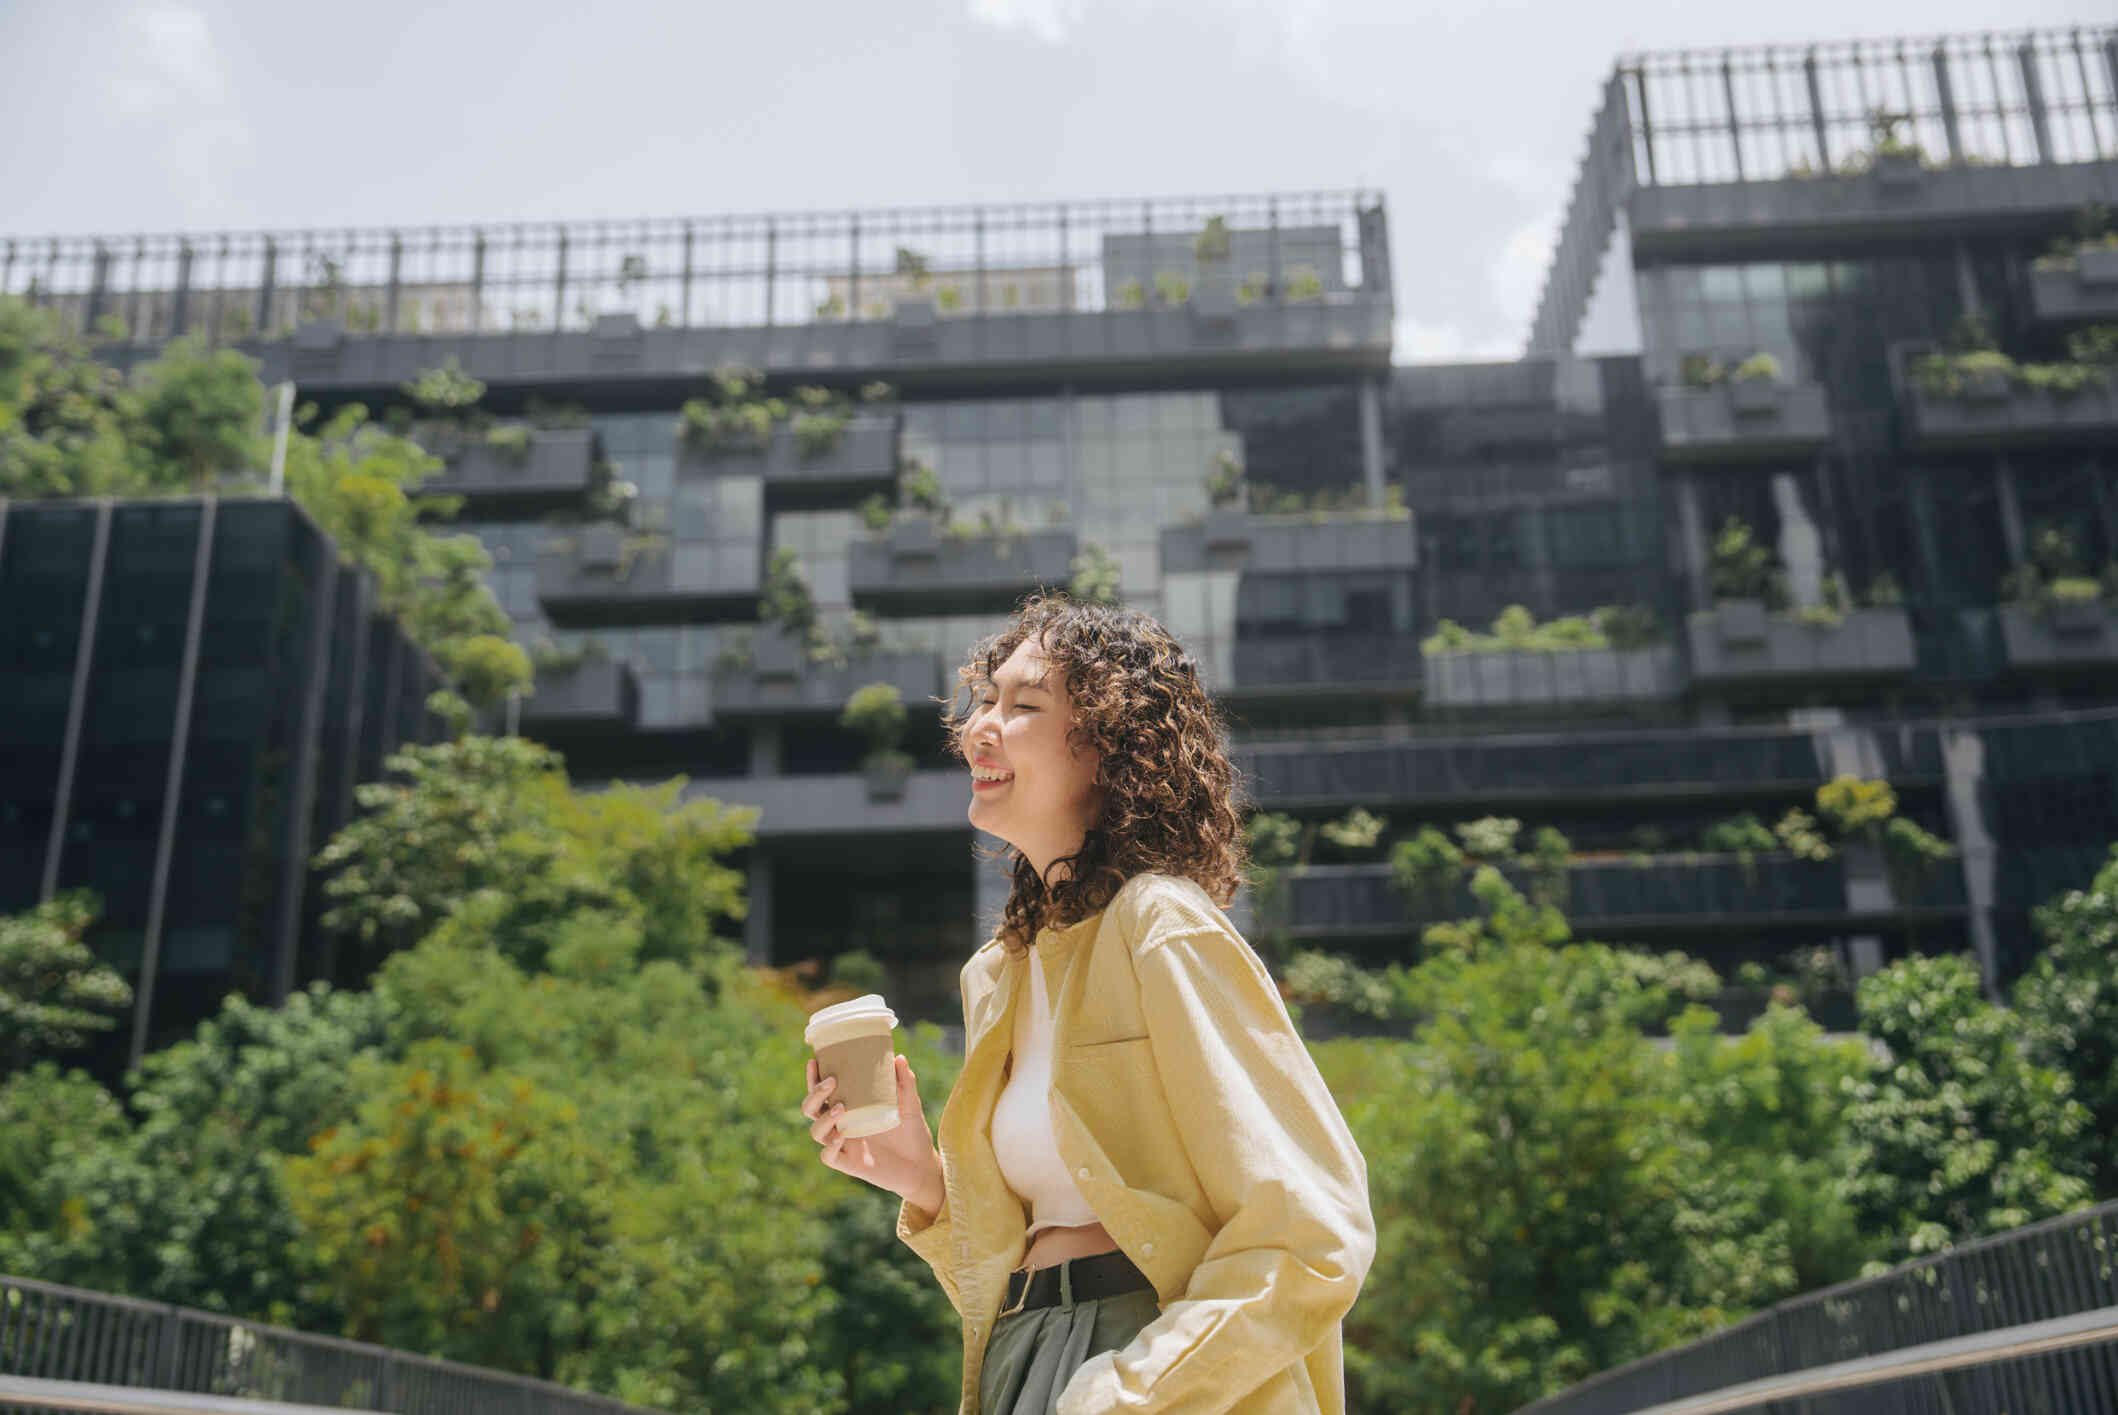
(1198, 1128)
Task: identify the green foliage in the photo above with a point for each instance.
(1130, 295)
(875, 513)
(1359, 829)
(877, 712)
(919, 488)
(49, 1119)
(859, 971)
(1314, 977)
(817, 433)
(1224, 484)
(1741, 568)
(511, 440)
(1095, 576)
(1852, 804)
(54, 993)
(1303, 283)
(1171, 288)
(1490, 838)
(1212, 242)
(1744, 834)
(494, 820)
(1516, 630)
(1274, 838)
(2068, 1005)
(444, 390)
(1798, 835)
(1427, 868)
(486, 667)
(1703, 371)
(186, 1205)
(202, 413)
(1962, 1134)
(784, 598)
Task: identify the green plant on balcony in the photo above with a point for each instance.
(948, 299)
(876, 712)
(1130, 295)
(919, 489)
(1095, 576)
(818, 432)
(1703, 371)
(1171, 288)
(1303, 283)
(1515, 630)
(2092, 231)
(636, 546)
(1798, 835)
(1332, 980)
(1326, 503)
(784, 598)
(444, 392)
(875, 513)
(510, 440)
(1427, 869)
(1740, 568)
(878, 393)
(1253, 287)
(1357, 831)
(913, 266)
(1224, 484)
(1884, 592)
(1212, 242)
(832, 308)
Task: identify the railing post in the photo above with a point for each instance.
(559, 287)
(389, 299)
(1816, 112)
(477, 281)
(264, 289)
(180, 309)
(1945, 95)
(2033, 98)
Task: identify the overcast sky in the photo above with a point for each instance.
(167, 115)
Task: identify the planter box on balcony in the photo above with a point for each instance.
(2084, 292)
(1753, 418)
(1313, 664)
(1290, 544)
(777, 653)
(1998, 412)
(864, 459)
(559, 467)
(2080, 636)
(886, 778)
(823, 688)
(598, 575)
(1670, 219)
(960, 576)
(616, 326)
(914, 323)
(1741, 621)
(592, 693)
(1869, 643)
(1535, 680)
(914, 537)
(1213, 298)
(317, 335)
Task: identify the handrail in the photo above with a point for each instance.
(1935, 1357)
(132, 1400)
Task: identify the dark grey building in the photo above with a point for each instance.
(1077, 375)
(189, 691)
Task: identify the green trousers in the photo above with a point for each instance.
(1031, 1355)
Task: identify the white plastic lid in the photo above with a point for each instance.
(865, 1008)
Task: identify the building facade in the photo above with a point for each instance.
(192, 689)
(1199, 396)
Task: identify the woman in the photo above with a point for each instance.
(1143, 1197)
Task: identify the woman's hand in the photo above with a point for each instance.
(902, 1160)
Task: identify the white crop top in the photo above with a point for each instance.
(1022, 1121)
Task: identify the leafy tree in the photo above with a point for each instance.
(186, 1206)
(496, 817)
(1962, 1134)
(201, 414)
(2068, 1005)
(47, 1117)
(53, 992)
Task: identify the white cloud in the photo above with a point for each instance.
(1052, 21)
(1419, 341)
(169, 84)
(1516, 276)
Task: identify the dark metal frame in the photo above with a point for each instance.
(67, 1333)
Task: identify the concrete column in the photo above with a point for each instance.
(1691, 528)
(2011, 528)
(1964, 767)
(1372, 440)
(77, 701)
(765, 747)
(757, 923)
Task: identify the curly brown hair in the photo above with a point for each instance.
(1173, 802)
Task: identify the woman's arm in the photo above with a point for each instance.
(1279, 1167)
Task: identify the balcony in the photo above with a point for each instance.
(1569, 678)
(1738, 645)
(2081, 634)
(789, 685)
(1754, 418)
(1893, 198)
(839, 805)
(594, 693)
(1230, 540)
(1359, 901)
(1994, 408)
(2083, 289)
(1313, 665)
(863, 460)
(602, 574)
(1536, 769)
(556, 468)
(916, 567)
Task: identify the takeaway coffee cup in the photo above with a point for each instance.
(852, 1042)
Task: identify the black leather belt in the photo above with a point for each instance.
(1105, 1275)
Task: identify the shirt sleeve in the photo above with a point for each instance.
(932, 1237)
(1279, 1167)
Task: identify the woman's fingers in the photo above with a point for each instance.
(819, 1092)
(826, 1125)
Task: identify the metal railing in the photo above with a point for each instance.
(1688, 117)
(2062, 1268)
(49, 1332)
(736, 270)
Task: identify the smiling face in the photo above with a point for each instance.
(1029, 785)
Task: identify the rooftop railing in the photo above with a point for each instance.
(1695, 117)
(716, 271)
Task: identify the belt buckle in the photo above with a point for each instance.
(1023, 1297)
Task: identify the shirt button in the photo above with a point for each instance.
(1147, 1250)
(1082, 1172)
